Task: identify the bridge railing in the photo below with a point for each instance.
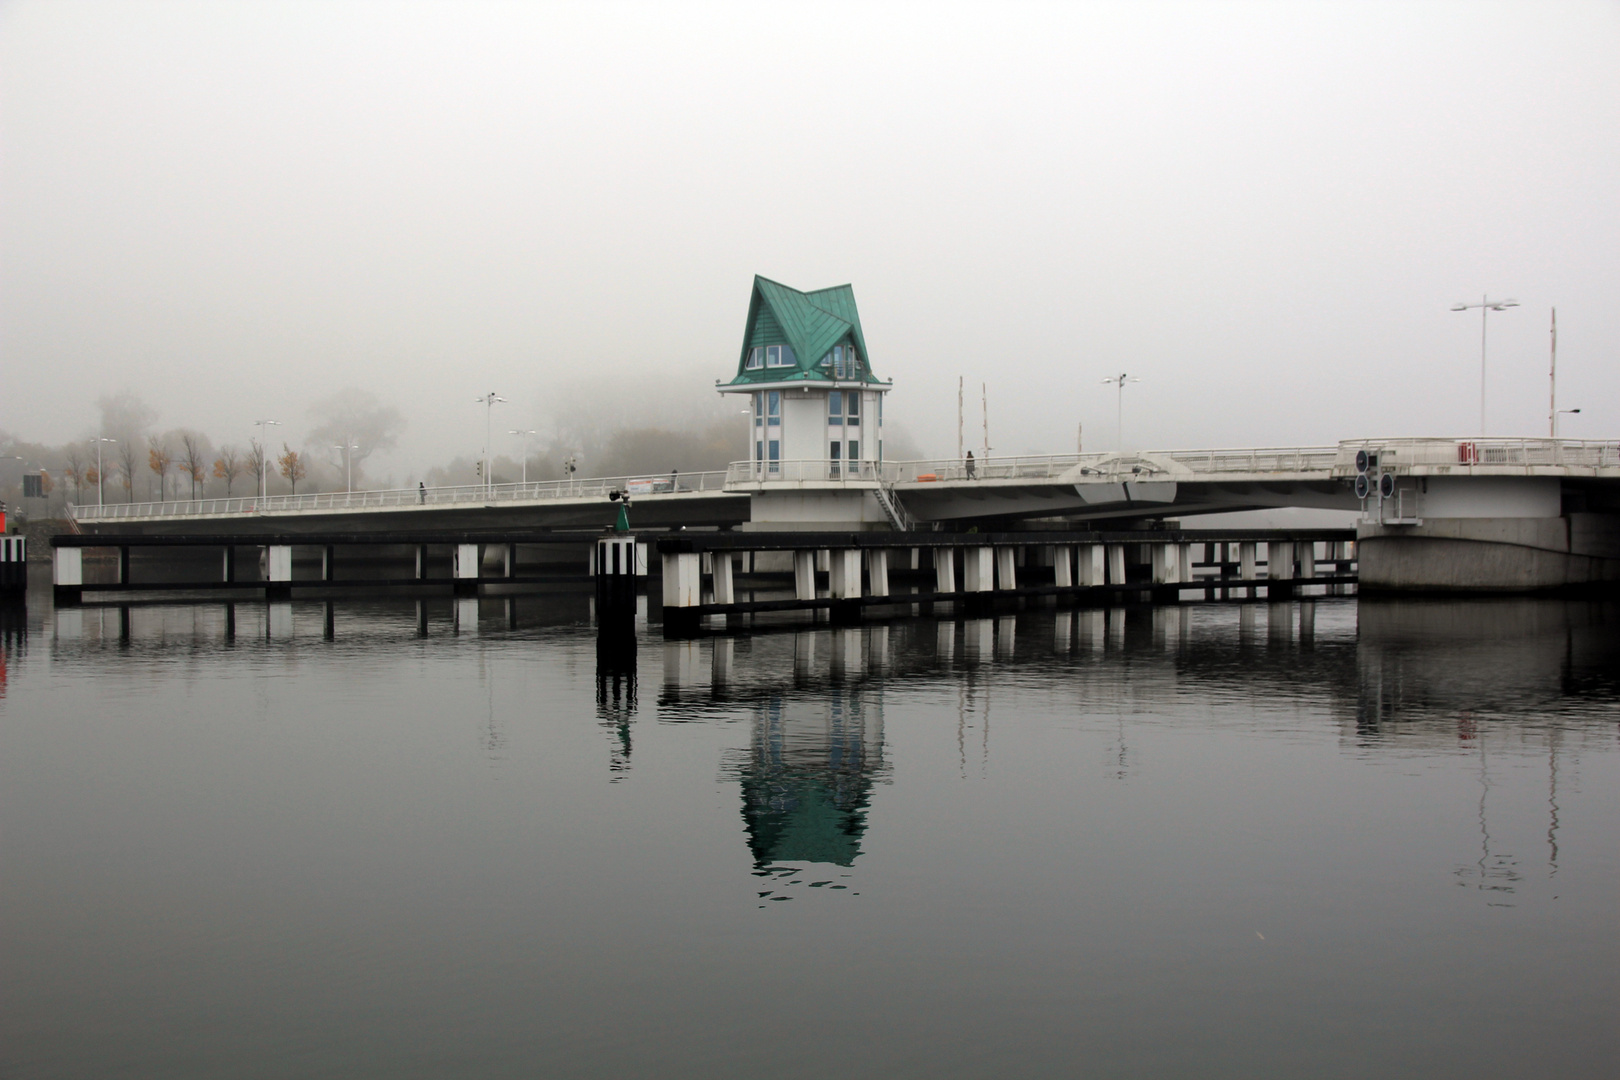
(1465, 453)
(817, 471)
(1285, 459)
(461, 494)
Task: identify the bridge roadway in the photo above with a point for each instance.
(912, 494)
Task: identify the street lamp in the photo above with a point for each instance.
(489, 401)
(264, 427)
(524, 433)
(1557, 414)
(1486, 305)
(348, 454)
(1118, 382)
(101, 474)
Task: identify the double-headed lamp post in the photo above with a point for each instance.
(101, 481)
(489, 401)
(264, 427)
(1486, 305)
(525, 434)
(1118, 382)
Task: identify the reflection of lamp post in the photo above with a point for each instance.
(525, 433)
(264, 427)
(101, 474)
(1118, 382)
(1486, 305)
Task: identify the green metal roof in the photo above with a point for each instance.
(811, 322)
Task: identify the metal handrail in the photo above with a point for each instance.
(461, 494)
(1465, 453)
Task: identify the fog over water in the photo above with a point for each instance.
(1264, 211)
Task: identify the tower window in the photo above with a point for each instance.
(780, 356)
(835, 408)
(854, 408)
(756, 358)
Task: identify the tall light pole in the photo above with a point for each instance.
(1556, 415)
(101, 481)
(264, 427)
(524, 434)
(347, 450)
(1486, 305)
(489, 401)
(1118, 383)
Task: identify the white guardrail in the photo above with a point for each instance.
(1488, 455)
(1292, 460)
(461, 495)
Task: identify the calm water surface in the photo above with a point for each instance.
(1289, 840)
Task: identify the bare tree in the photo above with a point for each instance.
(75, 470)
(193, 460)
(292, 466)
(228, 466)
(358, 421)
(128, 461)
(160, 459)
(255, 462)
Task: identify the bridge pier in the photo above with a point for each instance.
(465, 570)
(278, 573)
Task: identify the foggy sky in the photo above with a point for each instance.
(1263, 211)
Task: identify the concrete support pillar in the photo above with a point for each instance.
(1280, 560)
(877, 571)
(1166, 564)
(723, 591)
(977, 571)
(1248, 562)
(466, 561)
(67, 569)
(682, 580)
(509, 561)
(804, 575)
(1006, 567)
(328, 563)
(228, 569)
(916, 558)
(1116, 564)
(123, 565)
(824, 561)
(1184, 572)
(1088, 565)
(1306, 554)
(421, 560)
(278, 563)
(844, 574)
(1061, 570)
(944, 570)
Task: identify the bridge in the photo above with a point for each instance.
(1436, 514)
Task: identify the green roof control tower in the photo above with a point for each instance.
(817, 408)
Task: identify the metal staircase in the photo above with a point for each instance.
(893, 508)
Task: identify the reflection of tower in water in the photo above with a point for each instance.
(807, 777)
(615, 707)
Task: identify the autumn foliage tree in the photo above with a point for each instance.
(159, 458)
(193, 461)
(291, 465)
(228, 466)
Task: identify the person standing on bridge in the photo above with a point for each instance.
(421, 492)
(969, 464)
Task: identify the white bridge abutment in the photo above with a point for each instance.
(1486, 534)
